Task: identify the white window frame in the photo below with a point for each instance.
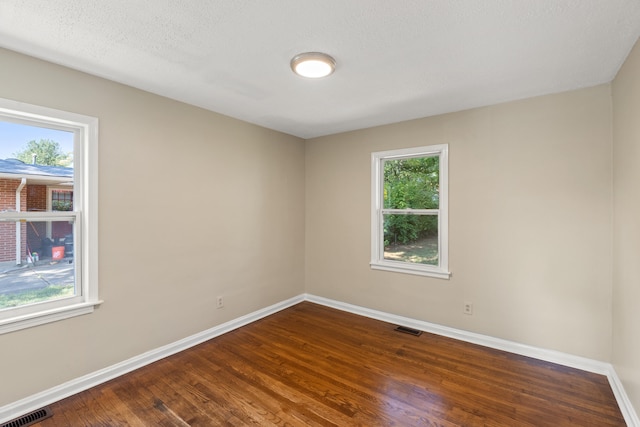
(85, 215)
(378, 261)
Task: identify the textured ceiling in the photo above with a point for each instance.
(396, 60)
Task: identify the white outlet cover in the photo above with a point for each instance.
(468, 308)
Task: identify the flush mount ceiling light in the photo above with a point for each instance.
(313, 65)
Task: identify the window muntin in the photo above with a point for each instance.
(409, 211)
(72, 218)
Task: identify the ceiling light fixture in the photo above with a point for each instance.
(313, 65)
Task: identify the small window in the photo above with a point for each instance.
(48, 215)
(409, 220)
(61, 200)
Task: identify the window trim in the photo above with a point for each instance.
(378, 262)
(85, 129)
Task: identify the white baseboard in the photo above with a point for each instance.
(629, 413)
(47, 397)
(589, 365)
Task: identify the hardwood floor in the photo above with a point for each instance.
(310, 365)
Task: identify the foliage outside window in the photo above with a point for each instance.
(409, 211)
(49, 272)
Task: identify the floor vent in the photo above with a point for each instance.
(29, 419)
(409, 331)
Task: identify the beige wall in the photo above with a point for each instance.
(192, 205)
(530, 222)
(626, 236)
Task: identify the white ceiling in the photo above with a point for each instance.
(396, 60)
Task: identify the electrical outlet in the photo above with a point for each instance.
(468, 308)
(219, 302)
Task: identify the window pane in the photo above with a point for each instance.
(411, 183)
(411, 238)
(36, 145)
(45, 269)
(41, 156)
(36, 257)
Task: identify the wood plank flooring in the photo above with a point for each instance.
(311, 365)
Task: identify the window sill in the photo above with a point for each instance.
(410, 269)
(47, 316)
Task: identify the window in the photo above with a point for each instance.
(409, 221)
(61, 200)
(48, 215)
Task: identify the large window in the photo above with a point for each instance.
(409, 222)
(48, 215)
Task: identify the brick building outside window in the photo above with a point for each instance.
(37, 188)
